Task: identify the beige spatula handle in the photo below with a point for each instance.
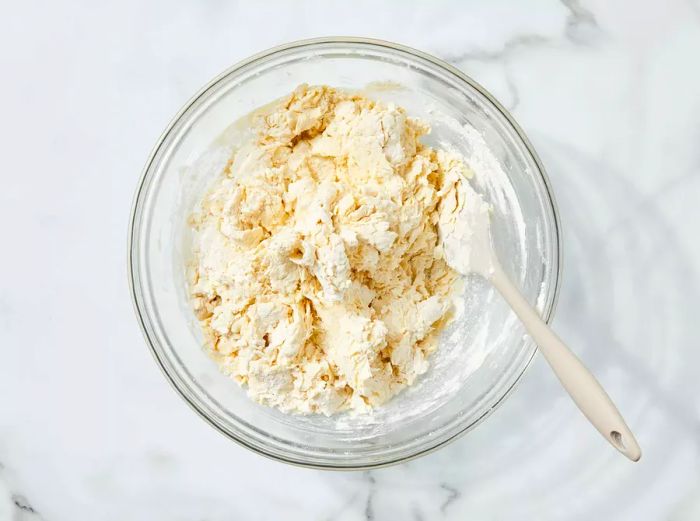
(581, 385)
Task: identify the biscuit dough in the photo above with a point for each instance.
(319, 276)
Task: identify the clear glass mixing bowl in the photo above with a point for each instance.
(481, 356)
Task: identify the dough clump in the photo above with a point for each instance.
(319, 278)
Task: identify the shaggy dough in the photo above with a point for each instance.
(319, 276)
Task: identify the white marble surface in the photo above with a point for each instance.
(609, 92)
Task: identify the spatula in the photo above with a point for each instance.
(468, 249)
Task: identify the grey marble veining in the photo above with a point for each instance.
(607, 92)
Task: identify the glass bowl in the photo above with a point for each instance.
(481, 355)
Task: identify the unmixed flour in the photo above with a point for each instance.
(320, 278)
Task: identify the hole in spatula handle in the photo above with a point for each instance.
(629, 447)
(618, 441)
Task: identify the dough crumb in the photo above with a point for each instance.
(319, 277)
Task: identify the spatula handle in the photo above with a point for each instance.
(581, 385)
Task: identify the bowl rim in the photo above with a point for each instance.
(313, 42)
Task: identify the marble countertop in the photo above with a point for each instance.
(608, 92)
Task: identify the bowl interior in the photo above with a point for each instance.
(482, 354)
